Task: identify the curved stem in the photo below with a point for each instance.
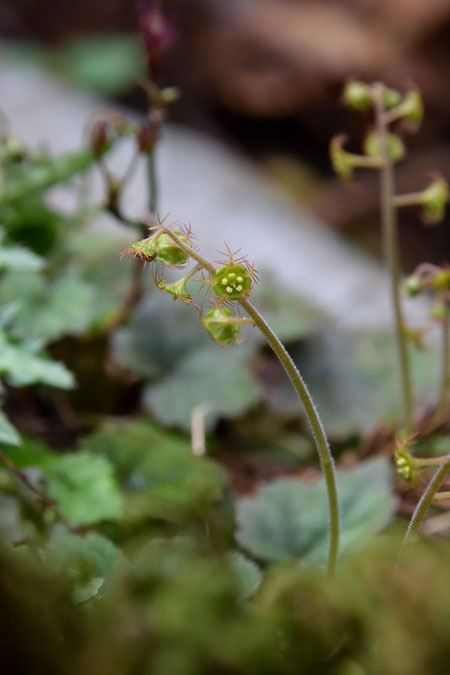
(319, 435)
(390, 244)
(445, 382)
(318, 431)
(426, 500)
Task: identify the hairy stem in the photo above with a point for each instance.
(390, 245)
(319, 435)
(441, 409)
(426, 500)
(320, 438)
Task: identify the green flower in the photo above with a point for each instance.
(341, 159)
(405, 464)
(412, 107)
(372, 146)
(357, 96)
(232, 281)
(168, 252)
(434, 200)
(220, 325)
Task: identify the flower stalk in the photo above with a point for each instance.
(427, 500)
(318, 431)
(390, 243)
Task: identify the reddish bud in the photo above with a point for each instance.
(100, 137)
(157, 30)
(147, 137)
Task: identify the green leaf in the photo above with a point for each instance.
(107, 64)
(22, 367)
(219, 380)
(8, 433)
(84, 487)
(88, 561)
(289, 519)
(247, 572)
(44, 174)
(353, 379)
(158, 471)
(19, 258)
(161, 334)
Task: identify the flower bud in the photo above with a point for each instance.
(232, 281)
(147, 137)
(441, 280)
(219, 324)
(412, 286)
(440, 311)
(372, 146)
(405, 464)
(168, 252)
(177, 289)
(169, 95)
(357, 96)
(412, 107)
(434, 200)
(158, 32)
(391, 98)
(100, 140)
(340, 158)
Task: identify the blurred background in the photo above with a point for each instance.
(266, 76)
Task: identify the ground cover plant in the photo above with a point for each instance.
(162, 506)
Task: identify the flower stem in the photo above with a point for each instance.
(427, 500)
(441, 409)
(441, 495)
(430, 461)
(319, 435)
(320, 438)
(390, 244)
(410, 199)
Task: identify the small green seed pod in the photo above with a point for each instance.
(168, 252)
(412, 107)
(391, 98)
(232, 281)
(441, 281)
(372, 146)
(405, 465)
(412, 286)
(340, 158)
(440, 311)
(144, 249)
(219, 324)
(435, 199)
(357, 96)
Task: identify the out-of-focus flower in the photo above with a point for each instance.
(158, 32)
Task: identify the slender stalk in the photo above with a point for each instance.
(441, 495)
(152, 182)
(318, 431)
(426, 500)
(430, 461)
(390, 244)
(135, 289)
(47, 501)
(320, 438)
(410, 199)
(441, 409)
